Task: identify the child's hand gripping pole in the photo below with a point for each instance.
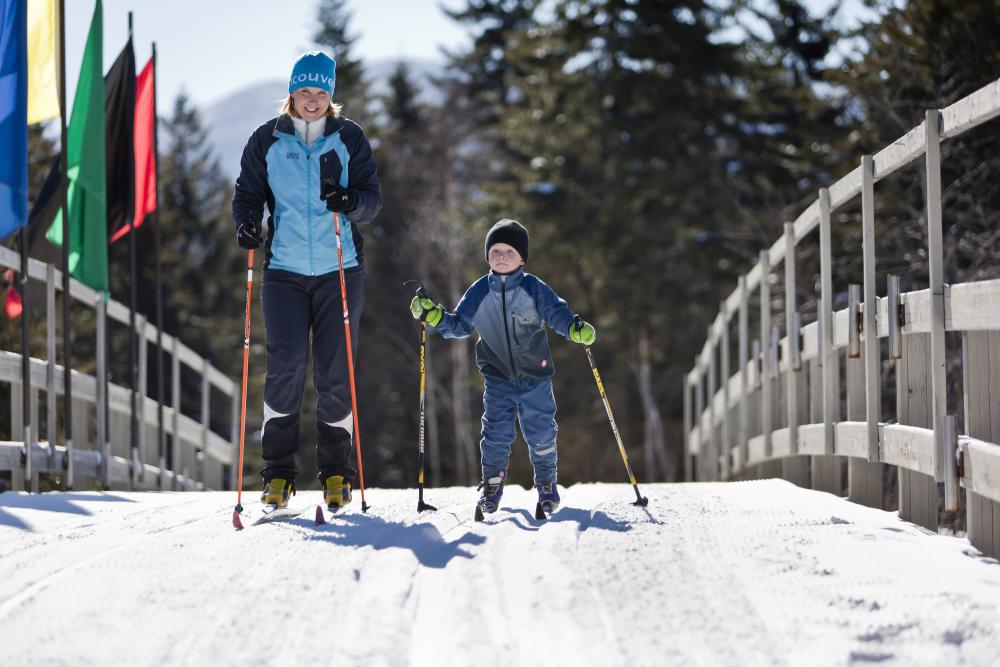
(421, 295)
(641, 500)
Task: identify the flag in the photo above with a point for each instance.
(43, 86)
(145, 156)
(119, 120)
(88, 226)
(13, 116)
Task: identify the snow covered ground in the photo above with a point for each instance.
(753, 573)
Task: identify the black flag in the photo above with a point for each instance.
(119, 128)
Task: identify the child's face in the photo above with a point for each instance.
(503, 258)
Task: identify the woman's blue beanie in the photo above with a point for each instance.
(313, 69)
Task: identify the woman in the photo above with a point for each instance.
(306, 164)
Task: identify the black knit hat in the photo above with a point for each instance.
(510, 232)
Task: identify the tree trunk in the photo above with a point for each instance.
(655, 459)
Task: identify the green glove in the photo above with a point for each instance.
(583, 333)
(425, 310)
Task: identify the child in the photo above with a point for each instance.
(509, 309)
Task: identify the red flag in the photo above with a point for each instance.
(145, 157)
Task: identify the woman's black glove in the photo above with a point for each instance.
(248, 235)
(338, 199)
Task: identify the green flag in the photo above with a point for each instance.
(88, 225)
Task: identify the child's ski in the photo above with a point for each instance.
(543, 511)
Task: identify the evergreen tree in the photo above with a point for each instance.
(334, 35)
(928, 54)
(202, 267)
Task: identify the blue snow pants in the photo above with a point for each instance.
(529, 401)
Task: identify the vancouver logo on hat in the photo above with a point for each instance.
(313, 69)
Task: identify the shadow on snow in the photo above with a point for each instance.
(423, 539)
(586, 519)
(54, 502)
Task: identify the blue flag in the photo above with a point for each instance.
(13, 116)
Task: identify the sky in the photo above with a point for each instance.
(209, 48)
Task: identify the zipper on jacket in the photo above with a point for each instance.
(503, 301)
(309, 226)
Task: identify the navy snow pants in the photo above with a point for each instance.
(530, 402)
(295, 306)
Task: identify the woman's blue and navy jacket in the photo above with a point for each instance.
(510, 313)
(279, 170)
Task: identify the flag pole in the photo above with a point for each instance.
(158, 287)
(26, 365)
(63, 186)
(134, 339)
(22, 88)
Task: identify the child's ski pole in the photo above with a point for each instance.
(243, 401)
(641, 500)
(421, 505)
(350, 359)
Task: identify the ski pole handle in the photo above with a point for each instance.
(420, 291)
(578, 323)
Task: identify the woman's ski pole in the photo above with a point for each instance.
(421, 505)
(350, 360)
(243, 401)
(641, 500)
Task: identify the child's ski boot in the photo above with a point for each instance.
(548, 499)
(489, 501)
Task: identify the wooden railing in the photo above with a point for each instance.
(99, 452)
(779, 414)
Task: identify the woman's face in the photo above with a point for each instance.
(310, 103)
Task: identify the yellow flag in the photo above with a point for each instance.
(43, 90)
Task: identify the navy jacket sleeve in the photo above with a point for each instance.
(459, 324)
(252, 191)
(363, 177)
(553, 309)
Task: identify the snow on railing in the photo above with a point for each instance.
(783, 401)
(185, 455)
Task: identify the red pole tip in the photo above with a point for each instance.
(237, 524)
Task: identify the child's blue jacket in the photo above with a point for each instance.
(510, 313)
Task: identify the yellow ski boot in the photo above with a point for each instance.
(276, 493)
(336, 492)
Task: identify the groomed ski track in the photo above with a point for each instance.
(753, 573)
